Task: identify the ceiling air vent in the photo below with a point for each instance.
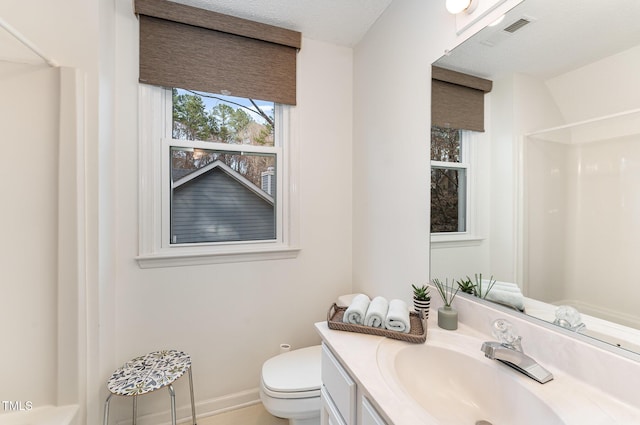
(517, 25)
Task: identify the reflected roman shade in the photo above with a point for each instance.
(191, 48)
(457, 99)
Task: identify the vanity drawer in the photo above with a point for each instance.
(339, 385)
(370, 415)
(329, 414)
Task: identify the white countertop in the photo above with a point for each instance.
(573, 400)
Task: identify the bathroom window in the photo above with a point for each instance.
(450, 155)
(216, 179)
(223, 158)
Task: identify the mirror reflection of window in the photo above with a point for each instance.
(449, 173)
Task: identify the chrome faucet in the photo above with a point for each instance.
(509, 351)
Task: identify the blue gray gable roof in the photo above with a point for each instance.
(217, 204)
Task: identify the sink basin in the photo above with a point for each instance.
(453, 382)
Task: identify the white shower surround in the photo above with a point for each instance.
(44, 311)
(582, 212)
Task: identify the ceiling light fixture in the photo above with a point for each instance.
(457, 6)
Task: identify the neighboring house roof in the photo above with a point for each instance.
(194, 174)
(217, 204)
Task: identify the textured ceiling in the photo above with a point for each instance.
(342, 22)
(557, 36)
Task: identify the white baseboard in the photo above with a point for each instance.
(204, 408)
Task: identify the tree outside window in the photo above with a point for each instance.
(448, 181)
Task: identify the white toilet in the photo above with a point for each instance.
(290, 386)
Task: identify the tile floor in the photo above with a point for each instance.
(251, 415)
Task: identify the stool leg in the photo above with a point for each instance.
(106, 410)
(172, 393)
(135, 409)
(193, 405)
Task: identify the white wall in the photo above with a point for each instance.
(391, 147)
(392, 107)
(607, 86)
(232, 317)
(496, 144)
(364, 112)
(28, 254)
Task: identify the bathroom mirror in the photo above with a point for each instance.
(557, 193)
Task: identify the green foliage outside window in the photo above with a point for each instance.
(228, 121)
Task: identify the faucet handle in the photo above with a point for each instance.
(569, 318)
(504, 332)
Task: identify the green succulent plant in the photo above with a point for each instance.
(476, 289)
(421, 293)
(466, 285)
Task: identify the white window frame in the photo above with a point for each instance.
(155, 112)
(469, 156)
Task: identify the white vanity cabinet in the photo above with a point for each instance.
(338, 392)
(368, 414)
(342, 401)
(329, 414)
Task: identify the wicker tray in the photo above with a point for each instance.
(417, 333)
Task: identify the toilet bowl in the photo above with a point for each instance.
(290, 386)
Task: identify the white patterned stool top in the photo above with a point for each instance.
(149, 372)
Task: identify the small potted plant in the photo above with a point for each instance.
(447, 315)
(421, 300)
(466, 285)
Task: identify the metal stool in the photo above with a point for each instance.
(148, 373)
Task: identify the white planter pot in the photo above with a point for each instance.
(423, 306)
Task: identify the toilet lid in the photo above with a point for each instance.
(294, 371)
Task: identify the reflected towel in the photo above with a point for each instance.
(500, 286)
(509, 298)
(356, 311)
(398, 317)
(377, 312)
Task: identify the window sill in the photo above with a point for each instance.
(455, 241)
(178, 259)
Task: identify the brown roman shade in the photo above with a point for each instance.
(457, 99)
(191, 48)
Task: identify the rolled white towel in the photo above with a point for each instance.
(398, 317)
(377, 312)
(356, 311)
(508, 298)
